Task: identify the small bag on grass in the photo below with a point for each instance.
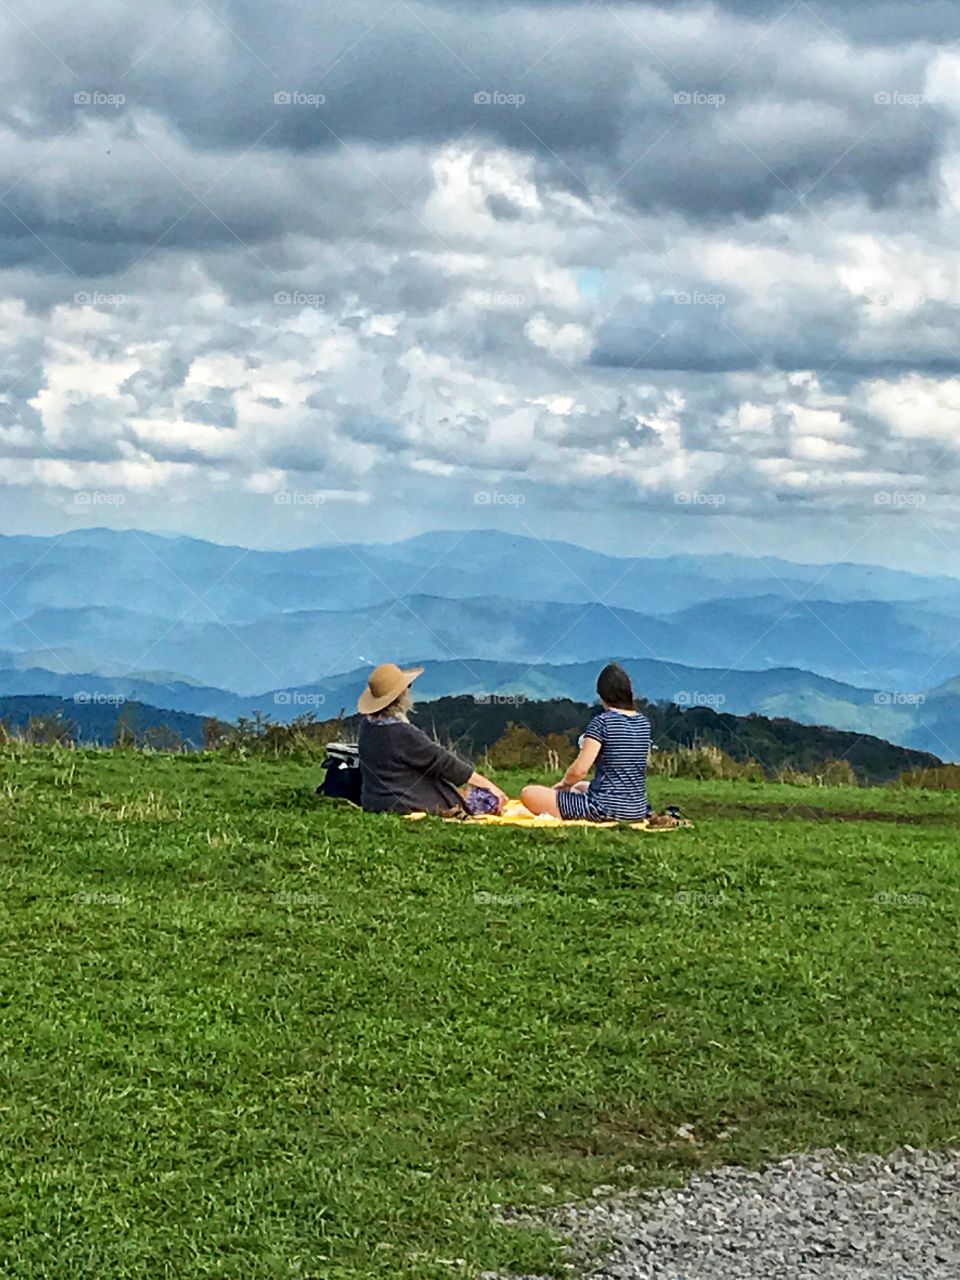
(342, 780)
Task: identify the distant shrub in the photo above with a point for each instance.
(160, 737)
(215, 733)
(832, 773)
(560, 751)
(306, 736)
(796, 778)
(49, 730)
(127, 732)
(702, 762)
(838, 773)
(518, 748)
(944, 778)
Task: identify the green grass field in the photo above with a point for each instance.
(250, 1034)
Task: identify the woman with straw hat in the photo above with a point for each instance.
(403, 770)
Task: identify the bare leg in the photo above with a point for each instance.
(540, 800)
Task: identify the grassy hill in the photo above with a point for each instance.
(255, 1035)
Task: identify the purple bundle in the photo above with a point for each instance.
(479, 800)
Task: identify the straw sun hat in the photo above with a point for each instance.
(385, 685)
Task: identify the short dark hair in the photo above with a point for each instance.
(614, 687)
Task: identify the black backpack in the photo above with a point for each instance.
(343, 779)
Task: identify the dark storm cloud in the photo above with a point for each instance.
(80, 211)
(615, 107)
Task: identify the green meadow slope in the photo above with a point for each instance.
(249, 1034)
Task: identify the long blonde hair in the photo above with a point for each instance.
(401, 706)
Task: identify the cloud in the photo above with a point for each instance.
(604, 255)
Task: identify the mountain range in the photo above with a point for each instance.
(218, 630)
(871, 643)
(154, 574)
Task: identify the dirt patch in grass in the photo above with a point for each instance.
(800, 812)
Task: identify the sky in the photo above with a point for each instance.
(651, 278)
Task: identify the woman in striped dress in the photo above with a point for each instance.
(617, 742)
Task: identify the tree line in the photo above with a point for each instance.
(511, 734)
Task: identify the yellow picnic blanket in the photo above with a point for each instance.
(516, 814)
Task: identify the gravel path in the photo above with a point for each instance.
(824, 1214)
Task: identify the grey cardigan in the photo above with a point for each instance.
(404, 771)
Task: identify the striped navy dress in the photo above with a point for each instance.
(619, 786)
